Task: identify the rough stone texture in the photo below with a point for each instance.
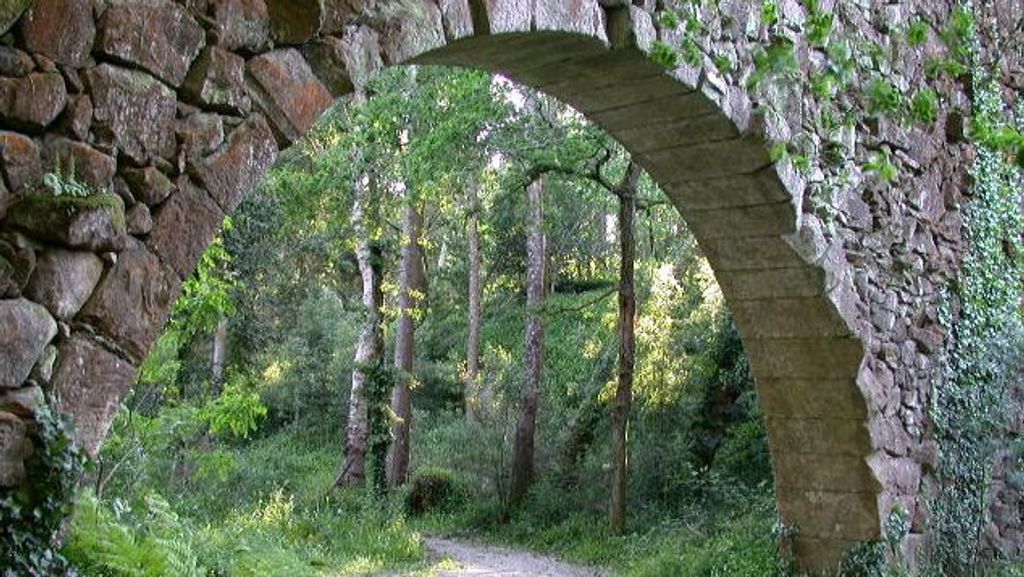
(241, 24)
(295, 21)
(14, 448)
(33, 102)
(230, 173)
(148, 185)
(91, 166)
(14, 62)
(93, 223)
(133, 112)
(132, 301)
(23, 402)
(288, 92)
(191, 210)
(89, 380)
(22, 164)
(217, 82)
(159, 37)
(27, 330)
(64, 280)
(139, 220)
(17, 262)
(63, 30)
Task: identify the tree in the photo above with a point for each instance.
(474, 302)
(522, 459)
(370, 349)
(412, 285)
(626, 193)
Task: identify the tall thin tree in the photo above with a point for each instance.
(626, 193)
(473, 392)
(522, 458)
(370, 348)
(412, 285)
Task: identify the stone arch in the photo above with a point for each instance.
(180, 107)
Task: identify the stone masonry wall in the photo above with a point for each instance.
(176, 109)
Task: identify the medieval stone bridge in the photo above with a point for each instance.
(178, 109)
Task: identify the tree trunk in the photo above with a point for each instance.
(473, 392)
(627, 346)
(220, 352)
(412, 284)
(522, 457)
(370, 348)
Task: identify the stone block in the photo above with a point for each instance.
(133, 112)
(63, 30)
(805, 358)
(64, 280)
(132, 302)
(148, 185)
(241, 24)
(232, 172)
(15, 447)
(89, 382)
(217, 82)
(94, 223)
(33, 102)
(285, 88)
(831, 515)
(293, 22)
(160, 37)
(822, 472)
(28, 328)
(184, 226)
(820, 435)
(811, 398)
(21, 161)
(808, 317)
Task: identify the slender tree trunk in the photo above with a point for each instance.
(220, 353)
(522, 457)
(473, 392)
(412, 284)
(369, 350)
(627, 347)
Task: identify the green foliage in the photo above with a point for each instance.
(884, 98)
(924, 108)
(917, 33)
(61, 184)
(775, 62)
(237, 410)
(664, 54)
(769, 13)
(882, 165)
(435, 490)
(31, 514)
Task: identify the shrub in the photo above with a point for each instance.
(434, 490)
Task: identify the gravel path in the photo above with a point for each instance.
(462, 559)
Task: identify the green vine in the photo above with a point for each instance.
(31, 515)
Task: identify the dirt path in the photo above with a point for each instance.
(463, 559)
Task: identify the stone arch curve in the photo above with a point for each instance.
(180, 107)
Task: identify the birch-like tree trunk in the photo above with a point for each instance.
(370, 348)
(626, 193)
(220, 354)
(522, 457)
(412, 285)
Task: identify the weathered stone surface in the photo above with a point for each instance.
(413, 27)
(22, 163)
(229, 174)
(499, 16)
(328, 60)
(64, 280)
(89, 165)
(285, 88)
(78, 116)
(23, 402)
(90, 381)
(28, 328)
(140, 220)
(192, 210)
(361, 53)
(63, 30)
(43, 371)
(17, 261)
(14, 448)
(295, 21)
(160, 37)
(198, 135)
(132, 302)
(217, 82)
(456, 18)
(242, 24)
(94, 223)
(33, 102)
(133, 112)
(148, 185)
(14, 62)
(581, 17)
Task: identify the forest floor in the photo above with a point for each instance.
(465, 559)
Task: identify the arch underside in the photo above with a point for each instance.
(746, 219)
(788, 291)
